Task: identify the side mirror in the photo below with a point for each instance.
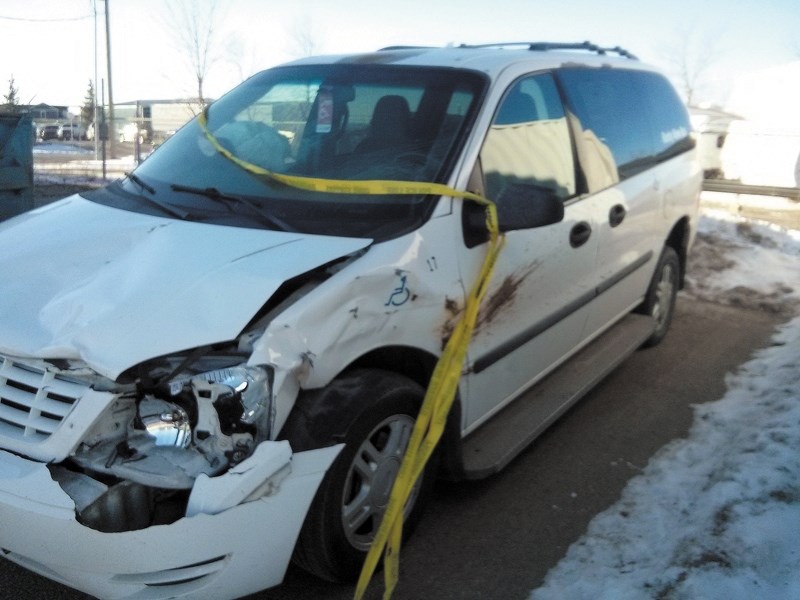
(525, 206)
(519, 206)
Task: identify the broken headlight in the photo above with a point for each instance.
(167, 423)
(251, 385)
(200, 422)
(180, 420)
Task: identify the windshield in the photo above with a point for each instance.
(339, 121)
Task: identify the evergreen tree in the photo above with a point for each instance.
(12, 97)
(87, 110)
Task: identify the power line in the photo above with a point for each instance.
(59, 20)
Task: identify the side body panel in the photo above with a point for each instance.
(406, 292)
(549, 297)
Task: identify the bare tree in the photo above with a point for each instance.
(691, 58)
(307, 41)
(240, 57)
(196, 25)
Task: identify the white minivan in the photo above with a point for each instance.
(212, 366)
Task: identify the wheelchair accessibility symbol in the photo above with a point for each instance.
(400, 294)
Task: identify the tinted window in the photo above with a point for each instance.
(633, 118)
(668, 117)
(344, 122)
(528, 147)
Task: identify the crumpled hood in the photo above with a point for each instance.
(114, 288)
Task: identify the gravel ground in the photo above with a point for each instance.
(44, 193)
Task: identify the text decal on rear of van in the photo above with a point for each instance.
(674, 135)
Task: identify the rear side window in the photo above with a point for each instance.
(668, 118)
(630, 120)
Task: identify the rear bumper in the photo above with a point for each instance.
(227, 555)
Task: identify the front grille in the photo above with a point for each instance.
(34, 401)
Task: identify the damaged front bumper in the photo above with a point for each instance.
(232, 545)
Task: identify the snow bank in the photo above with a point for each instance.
(764, 148)
(745, 263)
(715, 515)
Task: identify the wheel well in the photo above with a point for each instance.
(414, 364)
(418, 366)
(678, 240)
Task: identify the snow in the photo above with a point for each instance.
(56, 148)
(78, 165)
(717, 514)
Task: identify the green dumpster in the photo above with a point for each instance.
(16, 164)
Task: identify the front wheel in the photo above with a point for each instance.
(659, 302)
(373, 413)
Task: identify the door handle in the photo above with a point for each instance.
(580, 234)
(616, 215)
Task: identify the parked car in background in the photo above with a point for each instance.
(130, 132)
(214, 365)
(71, 131)
(48, 132)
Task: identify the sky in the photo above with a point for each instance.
(714, 515)
(50, 48)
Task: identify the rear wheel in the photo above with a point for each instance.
(659, 302)
(373, 413)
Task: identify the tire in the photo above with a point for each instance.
(659, 302)
(373, 413)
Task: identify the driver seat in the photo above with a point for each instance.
(389, 125)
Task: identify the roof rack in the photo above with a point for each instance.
(390, 48)
(545, 46)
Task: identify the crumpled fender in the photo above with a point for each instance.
(259, 475)
(78, 277)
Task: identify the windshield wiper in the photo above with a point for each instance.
(167, 209)
(232, 202)
(141, 183)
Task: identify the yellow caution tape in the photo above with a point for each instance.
(366, 187)
(430, 423)
(443, 386)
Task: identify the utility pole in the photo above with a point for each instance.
(111, 124)
(95, 120)
(103, 129)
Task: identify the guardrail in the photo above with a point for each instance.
(735, 187)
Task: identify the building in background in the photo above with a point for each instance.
(764, 146)
(152, 120)
(711, 125)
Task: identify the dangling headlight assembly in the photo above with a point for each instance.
(196, 421)
(250, 385)
(167, 423)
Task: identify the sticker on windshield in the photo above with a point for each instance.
(324, 112)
